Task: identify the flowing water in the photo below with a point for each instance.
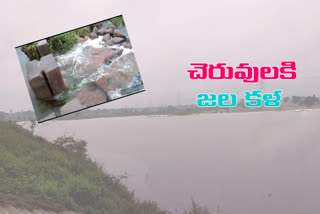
(239, 163)
(71, 62)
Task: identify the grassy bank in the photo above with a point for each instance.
(60, 176)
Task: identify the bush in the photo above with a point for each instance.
(63, 42)
(82, 32)
(31, 51)
(118, 21)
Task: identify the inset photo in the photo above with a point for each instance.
(80, 68)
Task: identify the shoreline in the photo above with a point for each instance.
(168, 115)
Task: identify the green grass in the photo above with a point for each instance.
(61, 173)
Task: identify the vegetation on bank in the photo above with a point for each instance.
(117, 21)
(196, 209)
(82, 32)
(31, 51)
(63, 42)
(61, 173)
(58, 44)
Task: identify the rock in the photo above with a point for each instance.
(98, 25)
(106, 37)
(102, 84)
(127, 45)
(40, 87)
(102, 31)
(121, 73)
(53, 75)
(118, 33)
(118, 40)
(93, 35)
(95, 30)
(82, 39)
(91, 96)
(37, 81)
(33, 69)
(99, 56)
(109, 30)
(43, 48)
(109, 42)
(87, 69)
(45, 78)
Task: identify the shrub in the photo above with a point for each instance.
(63, 42)
(118, 21)
(31, 51)
(82, 32)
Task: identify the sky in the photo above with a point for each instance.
(168, 35)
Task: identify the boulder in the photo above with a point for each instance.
(102, 32)
(93, 35)
(102, 84)
(109, 42)
(40, 87)
(83, 39)
(43, 48)
(118, 40)
(97, 25)
(91, 96)
(99, 56)
(127, 44)
(53, 75)
(45, 77)
(37, 81)
(120, 73)
(118, 33)
(109, 30)
(87, 69)
(106, 37)
(95, 30)
(80, 39)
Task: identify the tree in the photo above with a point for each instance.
(286, 99)
(296, 100)
(310, 100)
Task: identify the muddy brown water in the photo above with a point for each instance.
(241, 163)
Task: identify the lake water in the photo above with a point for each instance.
(262, 162)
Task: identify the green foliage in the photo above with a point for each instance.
(82, 32)
(63, 42)
(61, 173)
(117, 21)
(197, 209)
(31, 51)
